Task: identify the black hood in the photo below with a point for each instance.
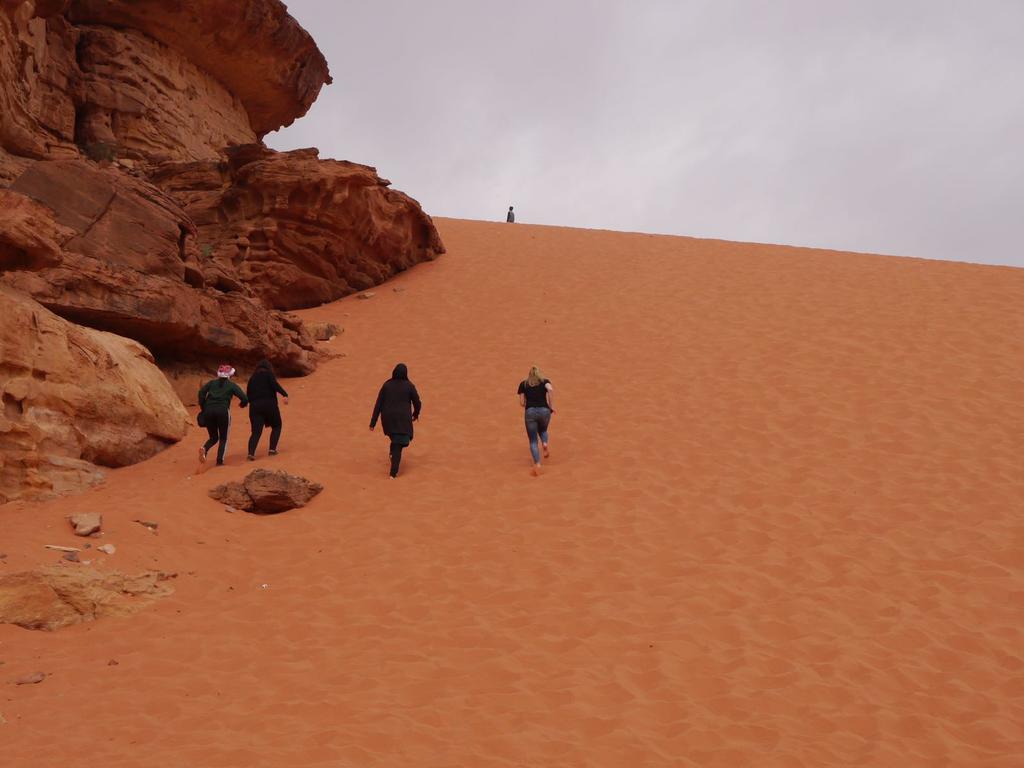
(400, 372)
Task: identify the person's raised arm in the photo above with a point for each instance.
(376, 409)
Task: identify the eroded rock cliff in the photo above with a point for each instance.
(114, 252)
(73, 398)
(297, 230)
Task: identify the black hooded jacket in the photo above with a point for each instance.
(393, 401)
(263, 387)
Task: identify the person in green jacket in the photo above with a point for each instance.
(215, 408)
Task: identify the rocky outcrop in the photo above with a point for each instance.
(56, 597)
(73, 398)
(186, 94)
(162, 107)
(111, 251)
(39, 82)
(267, 493)
(297, 230)
(254, 48)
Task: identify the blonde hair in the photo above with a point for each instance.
(535, 377)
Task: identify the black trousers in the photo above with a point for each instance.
(217, 427)
(398, 442)
(264, 414)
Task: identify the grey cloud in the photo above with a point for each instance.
(891, 127)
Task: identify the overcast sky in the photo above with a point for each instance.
(889, 126)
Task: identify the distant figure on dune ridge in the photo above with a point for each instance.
(511, 218)
(262, 391)
(535, 395)
(215, 410)
(398, 406)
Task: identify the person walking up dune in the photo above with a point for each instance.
(397, 407)
(511, 217)
(215, 410)
(535, 395)
(262, 391)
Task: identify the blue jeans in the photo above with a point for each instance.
(537, 424)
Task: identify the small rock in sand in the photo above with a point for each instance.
(112, 663)
(324, 331)
(35, 677)
(367, 295)
(71, 557)
(148, 524)
(107, 549)
(398, 289)
(86, 523)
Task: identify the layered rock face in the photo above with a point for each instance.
(73, 398)
(298, 231)
(161, 108)
(113, 252)
(39, 85)
(254, 48)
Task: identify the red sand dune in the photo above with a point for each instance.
(781, 526)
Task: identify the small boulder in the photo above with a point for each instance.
(366, 295)
(86, 523)
(33, 679)
(267, 493)
(107, 549)
(324, 331)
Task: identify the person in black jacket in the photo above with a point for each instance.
(262, 391)
(215, 405)
(397, 407)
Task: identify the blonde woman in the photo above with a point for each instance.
(535, 395)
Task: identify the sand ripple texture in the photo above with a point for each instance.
(782, 525)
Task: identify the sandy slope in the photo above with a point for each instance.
(783, 525)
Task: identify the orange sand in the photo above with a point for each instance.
(782, 526)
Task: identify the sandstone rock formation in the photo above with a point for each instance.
(108, 250)
(38, 82)
(297, 230)
(135, 198)
(73, 398)
(267, 493)
(203, 74)
(51, 598)
(254, 48)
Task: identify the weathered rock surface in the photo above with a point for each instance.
(265, 492)
(51, 598)
(73, 398)
(186, 93)
(86, 523)
(324, 331)
(297, 230)
(38, 81)
(254, 48)
(111, 251)
(161, 107)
